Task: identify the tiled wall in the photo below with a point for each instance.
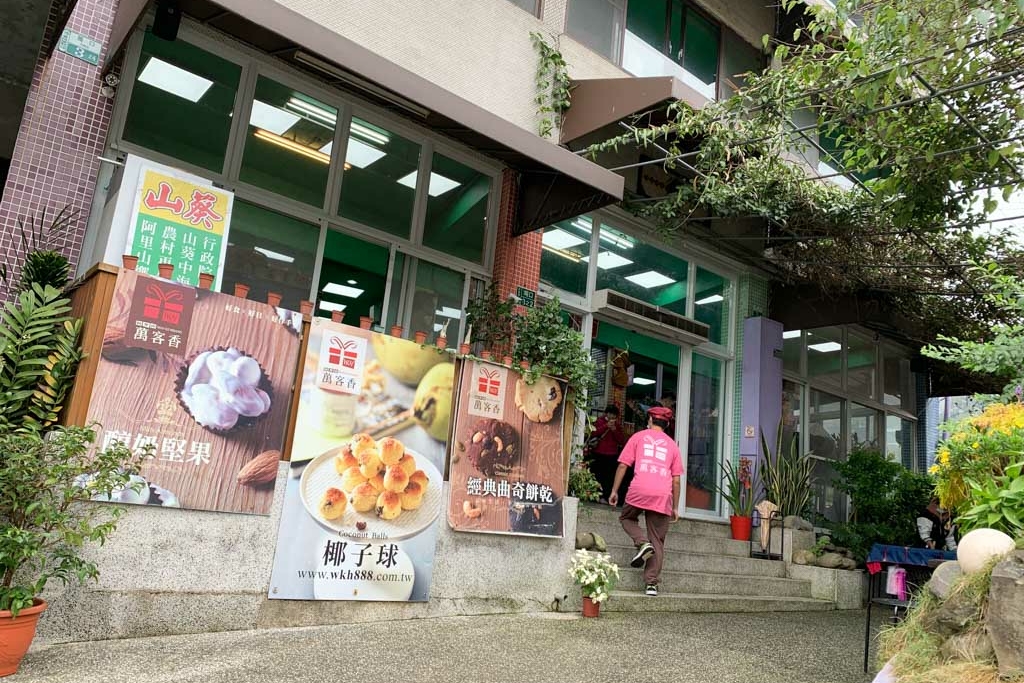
(63, 131)
(751, 300)
(516, 259)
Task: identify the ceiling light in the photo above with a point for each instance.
(276, 255)
(616, 240)
(350, 282)
(438, 183)
(643, 381)
(449, 312)
(369, 132)
(292, 146)
(270, 118)
(360, 154)
(309, 109)
(560, 239)
(791, 334)
(583, 223)
(650, 279)
(342, 290)
(826, 347)
(713, 299)
(331, 306)
(606, 260)
(570, 255)
(174, 80)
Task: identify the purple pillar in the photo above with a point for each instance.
(761, 384)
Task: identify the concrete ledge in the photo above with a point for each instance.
(169, 571)
(846, 588)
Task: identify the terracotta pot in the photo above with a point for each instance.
(306, 307)
(486, 355)
(241, 291)
(16, 634)
(338, 316)
(421, 337)
(205, 280)
(591, 609)
(166, 270)
(524, 365)
(129, 262)
(740, 528)
(396, 330)
(464, 349)
(507, 360)
(365, 322)
(442, 342)
(274, 299)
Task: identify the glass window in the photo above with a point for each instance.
(437, 300)
(864, 427)
(861, 366)
(641, 271)
(828, 502)
(711, 304)
(703, 454)
(598, 24)
(270, 252)
(353, 278)
(181, 102)
(378, 185)
(792, 347)
(738, 58)
(288, 148)
(530, 6)
(792, 414)
(457, 202)
(899, 441)
(643, 46)
(897, 377)
(825, 426)
(700, 51)
(825, 354)
(565, 257)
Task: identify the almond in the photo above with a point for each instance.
(260, 470)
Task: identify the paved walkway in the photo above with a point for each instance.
(794, 647)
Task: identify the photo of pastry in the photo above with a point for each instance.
(539, 401)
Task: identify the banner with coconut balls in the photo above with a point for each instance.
(204, 380)
(364, 494)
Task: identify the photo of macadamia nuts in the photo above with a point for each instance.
(224, 388)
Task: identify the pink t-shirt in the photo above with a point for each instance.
(656, 460)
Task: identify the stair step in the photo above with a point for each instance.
(627, 601)
(683, 561)
(591, 515)
(685, 542)
(717, 584)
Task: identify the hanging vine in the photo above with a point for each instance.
(553, 85)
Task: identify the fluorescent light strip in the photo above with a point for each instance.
(275, 255)
(272, 119)
(826, 347)
(331, 306)
(293, 146)
(791, 334)
(342, 290)
(367, 133)
(175, 80)
(713, 299)
(575, 258)
(650, 279)
(643, 381)
(617, 241)
(560, 239)
(438, 183)
(310, 109)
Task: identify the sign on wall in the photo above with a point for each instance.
(179, 219)
(507, 467)
(205, 380)
(364, 497)
(80, 46)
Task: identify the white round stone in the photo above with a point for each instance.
(977, 547)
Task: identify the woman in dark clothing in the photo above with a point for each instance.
(607, 442)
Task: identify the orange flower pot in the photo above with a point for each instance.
(740, 528)
(205, 280)
(591, 609)
(306, 307)
(337, 316)
(241, 291)
(16, 635)
(274, 299)
(464, 349)
(166, 270)
(365, 322)
(129, 262)
(396, 330)
(421, 337)
(486, 355)
(442, 342)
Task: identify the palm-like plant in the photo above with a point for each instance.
(788, 477)
(43, 265)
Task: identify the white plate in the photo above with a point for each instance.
(320, 475)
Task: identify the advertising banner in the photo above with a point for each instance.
(182, 220)
(507, 471)
(364, 497)
(206, 380)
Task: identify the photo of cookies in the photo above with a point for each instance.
(492, 447)
(539, 401)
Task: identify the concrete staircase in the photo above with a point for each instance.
(704, 571)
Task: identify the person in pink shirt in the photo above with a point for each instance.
(654, 492)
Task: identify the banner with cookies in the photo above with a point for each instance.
(204, 381)
(364, 494)
(507, 466)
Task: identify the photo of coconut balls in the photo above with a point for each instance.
(224, 388)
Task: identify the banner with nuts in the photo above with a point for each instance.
(201, 380)
(364, 496)
(507, 465)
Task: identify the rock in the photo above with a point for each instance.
(804, 557)
(945, 575)
(797, 522)
(848, 563)
(973, 646)
(599, 544)
(952, 616)
(830, 560)
(977, 547)
(584, 541)
(1005, 618)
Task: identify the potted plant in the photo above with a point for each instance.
(597, 575)
(45, 484)
(583, 484)
(739, 491)
(492, 321)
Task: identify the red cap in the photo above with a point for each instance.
(660, 413)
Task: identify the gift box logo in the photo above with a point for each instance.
(163, 306)
(489, 382)
(343, 353)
